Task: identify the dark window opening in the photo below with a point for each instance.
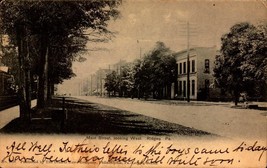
(180, 87)
(184, 68)
(207, 83)
(193, 66)
(184, 89)
(180, 70)
(193, 87)
(207, 66)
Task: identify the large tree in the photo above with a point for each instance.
(49, 26)
(155, 71)
(112, 82)
(121, 81)
(126, 80)
(242, 64)
(151, 74)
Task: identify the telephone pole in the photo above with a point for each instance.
(91, 93)
(101, 83)
(189, 33)
(188, 65)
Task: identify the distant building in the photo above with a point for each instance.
(100, 81)
(201, 80)
(7, 82)
(97, 80)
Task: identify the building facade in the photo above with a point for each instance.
(201, 64)
(96, 82)
(7, 82)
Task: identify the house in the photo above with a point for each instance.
(201, 80)
(7, 82)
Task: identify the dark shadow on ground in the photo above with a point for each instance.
(262, 108)
(90, 118)
(255, 107)
(175, 102)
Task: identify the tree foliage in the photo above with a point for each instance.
(50, 34)
(111, 82)
(150, 74)
(127, 79)
(155, 71)
(10, 59)
(242, 65)
(120, 82)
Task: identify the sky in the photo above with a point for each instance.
(144, 22)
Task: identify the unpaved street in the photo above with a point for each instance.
(217, 119)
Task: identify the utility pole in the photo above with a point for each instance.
(97, 83)
(138, 42)
(81, 87)
(101, 83)
(1, 47)
(189, 33)
(91, 85)
(140, 52)
(188, 64)
(88, 86)
(140, 70)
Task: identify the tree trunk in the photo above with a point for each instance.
(46, 74)
(43, 76)
(22, 99)
(24, 74)
(48, 91)
(52, 89)
(28, 89)
(236, 96)
(40, 95)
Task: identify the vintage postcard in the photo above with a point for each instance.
(133, 83)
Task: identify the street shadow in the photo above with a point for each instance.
(90, 118)
(262, 108)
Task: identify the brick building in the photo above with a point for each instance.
(201, 80)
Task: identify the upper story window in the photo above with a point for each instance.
(184, 67)
(180, 68)
(207, 66)
(193, 66)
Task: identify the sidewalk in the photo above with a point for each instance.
(217, 119)
(9, 114)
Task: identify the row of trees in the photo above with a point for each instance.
(242, 64)
(241, 67)
(48, 36)
(148, 75)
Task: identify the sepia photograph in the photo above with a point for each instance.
(133, 83)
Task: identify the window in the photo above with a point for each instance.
(193, 66)
(180, 70)
(188, 68)
(180, 88)
(184, 68)
(207, 66)
(207, 83)
(184, 88)
(193, 87)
